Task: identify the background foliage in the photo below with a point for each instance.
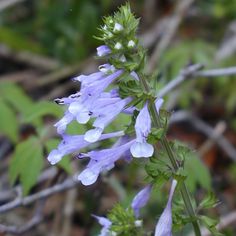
(61, 32)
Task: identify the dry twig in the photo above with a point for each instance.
(39, 62)
(4, 4)
(19, 201)
(192, 72)
(222, 142)
(171, 27)
(19, 230)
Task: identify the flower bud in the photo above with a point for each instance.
(118, 27)
(131, 44)
(118, 46)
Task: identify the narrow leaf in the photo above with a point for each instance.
(26, 163)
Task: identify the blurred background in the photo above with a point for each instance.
(45, 43)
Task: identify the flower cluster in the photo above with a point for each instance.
(121, 86)
(95, 101)
(164, 224)
(115, 88)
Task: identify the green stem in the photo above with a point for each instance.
(183, 189)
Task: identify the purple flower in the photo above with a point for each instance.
(142, 128)
(103, 50)
(105, 223)
(92, 89)
(62, 123)
(100, 161)
(164, 225)
(134, 75)
(158, 104)
(141, 199)
(106, 115)
(72, 143)
(81, 108)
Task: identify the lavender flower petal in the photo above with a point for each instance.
(103, 50)
(106, 116)
(158, 104)
(62, 123)
(141, 199)
(142, 128)
(105, 223)
(100, 161)
(72, 143)
(164, 225)
(143, 149)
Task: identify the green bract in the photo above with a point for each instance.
(119, 34)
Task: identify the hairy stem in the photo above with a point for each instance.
(183, 189)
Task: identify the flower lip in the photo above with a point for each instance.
(142, 149)
(118, 46)
(131, 44)
(118, 27)
(164, 225)
(100, 161)
(141, 199)
(103, 50)
(142, 128)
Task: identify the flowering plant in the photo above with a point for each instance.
(134, 94)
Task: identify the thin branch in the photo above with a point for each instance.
(172, 26)
(219, 129)
(17, 190)
(216, 72)
(152, 35)
(22, 229)
(184, 75)
(87, 66)
(192, 72)
(4, 4)
(29, 58)
(67, 184)
(36, 220)
(68, 212)
(222, 142)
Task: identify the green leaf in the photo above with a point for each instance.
(129, 88)
(14, 95)
(209, 201)
(197, 173)
(41, 109)
(158, 170)
(211, 225)
(8, 122)
(17, 41)
(123, 221)
(155, 135)
(26, 163)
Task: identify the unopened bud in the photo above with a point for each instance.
(131, 44)
(118, 27)
(123, 58)
(118, 46)
(138, 223)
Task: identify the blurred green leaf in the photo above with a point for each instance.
(211, 225)
(15, 96)
(41, 109)
(17, 41)
(209, 201)
(65, 164)
(8, 121)
(26, 163)
(196, 172)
